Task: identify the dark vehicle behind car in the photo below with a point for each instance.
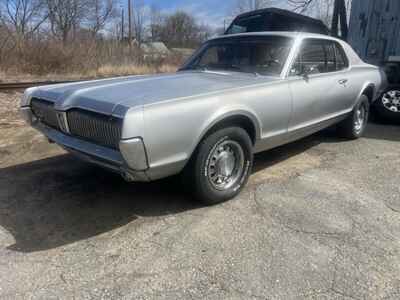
(275, 19)
(388, 107)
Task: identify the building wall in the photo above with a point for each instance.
(375, 29)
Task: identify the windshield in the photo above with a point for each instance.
(266, 56)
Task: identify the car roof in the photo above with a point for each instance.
(289, 34)
(282, 12)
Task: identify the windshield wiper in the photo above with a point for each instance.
(196, 67)
(204, 68)
(239, 69)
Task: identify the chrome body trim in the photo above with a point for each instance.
(134, 153)
(63, 122)
(105, 157)
(71, 142)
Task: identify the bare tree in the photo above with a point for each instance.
(5, 39)
(64, 15)
(325, 7)
(323, 11)
(180, 30)
(249, 5)
(100, 11)
(22, 17)
(156, 23)
(139, 20)
(331, 12)
(301, 5)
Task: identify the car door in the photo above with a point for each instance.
(344, 88)
(318, 89)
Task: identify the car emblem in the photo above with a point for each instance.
(63, 122)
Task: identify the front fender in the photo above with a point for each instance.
(225, 113)
(173, 130)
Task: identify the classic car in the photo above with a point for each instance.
(236, 96)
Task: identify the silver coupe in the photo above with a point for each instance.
(236, 96)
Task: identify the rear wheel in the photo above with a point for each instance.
(222, 165)
(354, 126)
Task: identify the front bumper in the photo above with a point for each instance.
(130, 162)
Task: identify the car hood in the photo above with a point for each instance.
(117, 95)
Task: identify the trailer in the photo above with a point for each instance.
(375, 35)
(375, 29)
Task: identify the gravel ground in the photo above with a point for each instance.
(320, 219)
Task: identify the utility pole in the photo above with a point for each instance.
(339, 14)
(75, 23)
(343, 21)
(122, 25)
(130, 22)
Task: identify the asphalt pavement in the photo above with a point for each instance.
(320, 219)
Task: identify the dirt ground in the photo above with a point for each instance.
(320, 219)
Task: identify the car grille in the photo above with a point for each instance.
(44, 111)
(94, 127)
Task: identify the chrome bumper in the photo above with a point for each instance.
(132, 168)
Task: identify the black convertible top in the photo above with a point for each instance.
(276, 19)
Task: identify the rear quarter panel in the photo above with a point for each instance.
(364, 77)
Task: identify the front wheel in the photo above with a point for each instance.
(222, 165)
(353, 127)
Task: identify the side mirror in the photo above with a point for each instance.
(308, 70)
(304, 71)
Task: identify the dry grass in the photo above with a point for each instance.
(26, 77)
(48, 60)
(9, 110)
(109, 70)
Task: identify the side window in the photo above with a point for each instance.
(341, 59)
(330, 57)
(311, 59)
(319, 56)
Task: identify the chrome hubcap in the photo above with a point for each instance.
(391, 101)
(360, 119)
(225, 165)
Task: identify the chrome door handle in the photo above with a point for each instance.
(343, 81)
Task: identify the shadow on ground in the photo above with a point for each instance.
(380, 130)
(58, 201)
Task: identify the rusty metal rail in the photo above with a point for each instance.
(24, 85)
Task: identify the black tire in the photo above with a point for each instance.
(383, 111)
(199, 174)
(350, 128)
